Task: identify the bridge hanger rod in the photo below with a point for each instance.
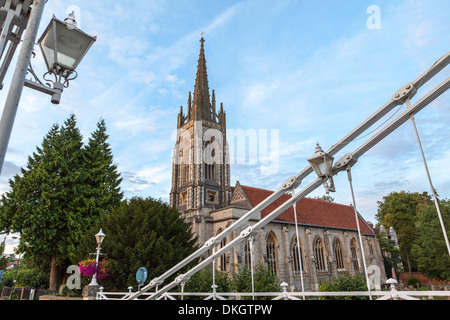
(408, 90)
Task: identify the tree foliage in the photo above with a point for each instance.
(25, 277)
(416, 222)
(59, 194)
(264, 280)
(399, 210)
(430, 249)
(345, 282)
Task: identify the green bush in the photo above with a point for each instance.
(413, 281)
(345, 282)
(202, 282)
(236, 282)
(26, 278)
(264, 281)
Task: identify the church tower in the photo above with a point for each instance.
(201, 169)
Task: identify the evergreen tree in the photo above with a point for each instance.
(50, 203)
(102, 175)
(140, 233)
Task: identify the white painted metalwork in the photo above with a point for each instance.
(298, 246)
(349, 175)
(391, 294)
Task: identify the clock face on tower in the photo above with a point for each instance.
(211, 196)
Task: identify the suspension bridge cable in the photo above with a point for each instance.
(298, 245)
(436, 202)
(359, 232)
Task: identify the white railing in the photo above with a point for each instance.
(392, 294)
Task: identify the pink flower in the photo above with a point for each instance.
(89, 267)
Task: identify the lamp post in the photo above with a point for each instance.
(99, 237)
(322, 164)
(62, 44)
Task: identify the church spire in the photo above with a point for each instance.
(201, 102)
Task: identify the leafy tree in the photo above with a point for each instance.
(140, 233)
(325, 197)
(344, 282)
(399, 210)
(3, 258)
(50, 203)
(429, 249)
(25, 277)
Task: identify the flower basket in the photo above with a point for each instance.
(89, 267)
(103, 269)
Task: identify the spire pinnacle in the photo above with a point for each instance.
(201, 99)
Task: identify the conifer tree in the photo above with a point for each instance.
(102, 175)
(140, 233)
(51, 202)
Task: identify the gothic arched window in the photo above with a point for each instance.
(222, 259)
(184, 160)
(354, 255)
(185, 173)
(370, 244)
(247, 253)
(210, 171)
(271, 253)
(338, 255)
(297, 260)
(319, 254)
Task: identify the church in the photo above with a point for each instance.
(201, 191)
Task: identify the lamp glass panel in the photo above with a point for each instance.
(48, 48)
(322, 165)
(72, 46)
(100, 237)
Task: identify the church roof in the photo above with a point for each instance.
(309, 211)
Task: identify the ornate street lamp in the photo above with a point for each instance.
(63, 46)
(322, 164)
(99, 237)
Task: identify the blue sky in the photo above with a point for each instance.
(310, 70)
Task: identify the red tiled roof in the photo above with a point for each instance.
(309, 211)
